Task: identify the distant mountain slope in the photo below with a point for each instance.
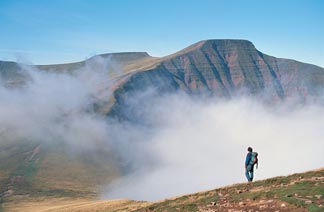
(119, 63)
(28, 167)
(124, 61)
(225, 66)
(222, 68)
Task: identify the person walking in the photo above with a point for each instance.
(250, 161)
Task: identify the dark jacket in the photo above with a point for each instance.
(248, 158)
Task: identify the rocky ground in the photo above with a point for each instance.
(298, 193)
(248, 205)
(224, 203)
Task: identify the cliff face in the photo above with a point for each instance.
(223, 68)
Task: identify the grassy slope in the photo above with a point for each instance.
(63, 204)
(298, 192)
(53, 170)
(294, 191)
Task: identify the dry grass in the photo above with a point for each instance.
(291, 191)
(58, 171)
(70, 205)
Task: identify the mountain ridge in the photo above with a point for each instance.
(189, 48)
(225, 68)
(222, 68)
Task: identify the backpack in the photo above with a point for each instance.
(254, 159)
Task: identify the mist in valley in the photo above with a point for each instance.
(200, 145)
(186, 145)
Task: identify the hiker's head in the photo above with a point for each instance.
(250, 149)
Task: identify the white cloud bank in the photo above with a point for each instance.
(202, 145)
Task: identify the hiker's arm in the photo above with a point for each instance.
(247, 160)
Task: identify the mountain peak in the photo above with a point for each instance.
(219, 44)
(124, 55)
(222, 44)
(227, 41)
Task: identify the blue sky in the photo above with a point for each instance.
(58, 31)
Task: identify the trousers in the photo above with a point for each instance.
(249, 173)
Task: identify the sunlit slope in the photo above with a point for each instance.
(220, 69)
(115, 64)
(65, 204)
(28, 167)
(121, 63)
(298, 192)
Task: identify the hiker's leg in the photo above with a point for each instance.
(247, 174)
(251, 175)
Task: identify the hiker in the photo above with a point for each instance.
(250, 161)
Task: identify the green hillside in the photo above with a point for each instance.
(31, 168)
(299, 193)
